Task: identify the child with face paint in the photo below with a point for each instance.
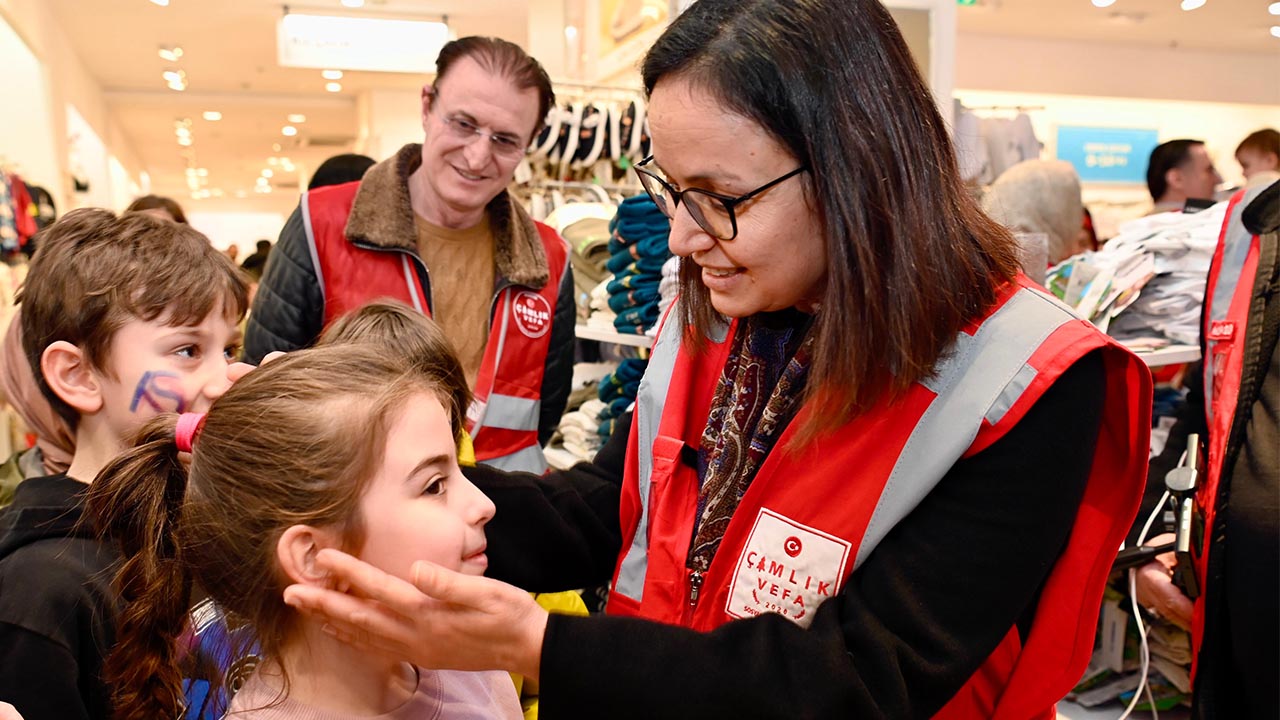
(123, 318)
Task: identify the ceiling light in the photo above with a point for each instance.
(570, 33)
(288, 131)
(262, 181)
(173, 75)
(359, 43)
(170, 53)
(1275, 31)
(177, 86)
(333, 87)
(1189, 5)
(1121, 17)
(337, 74)
(296, 118)
(161, 3)
(275, 147)
(212, 115)
(266, 172)
(184, 141)
(1103, 3)
(273, 160)
(353, 3)
(202, 172)
(1274, 8)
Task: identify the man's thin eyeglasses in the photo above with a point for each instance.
(713, 212)
(503, 144)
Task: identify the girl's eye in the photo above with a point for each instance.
(187, 351)
(435, 487)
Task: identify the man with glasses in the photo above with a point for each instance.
(435, 228)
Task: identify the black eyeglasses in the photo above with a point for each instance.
(713, 212)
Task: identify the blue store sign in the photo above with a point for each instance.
(1116, 155)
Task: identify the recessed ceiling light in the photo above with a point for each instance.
(333, 87)
(346, 3)
(296, 118)
(267, 173)
(1274, 8)
(1275, 31)
(161, 3)
(202, 172)
(288, 131)
(275, 147)
(1189, 5)
(1103, 3)
(170, 53)
(212, 115)
(337, 74)
(184, 141)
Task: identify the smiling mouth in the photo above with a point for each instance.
(469, 176)
(720, 272)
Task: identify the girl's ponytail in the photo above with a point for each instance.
(135, 503)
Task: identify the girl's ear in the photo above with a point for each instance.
(296, 552)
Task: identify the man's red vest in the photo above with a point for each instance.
(789, 537)
(503, 420)
(1226, 317)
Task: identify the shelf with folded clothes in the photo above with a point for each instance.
(1167, 355)
(586, 332)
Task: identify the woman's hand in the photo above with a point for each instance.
(9, 712)
(442, 620)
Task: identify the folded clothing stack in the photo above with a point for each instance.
(579, 429)
(618, 392)
(637, 251)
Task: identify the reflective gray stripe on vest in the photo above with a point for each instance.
(527, 459)
(981, 378)
(311, 242)
(482, 418)
(650, 401)
(512, 413)
(1235, 250)
(408, 281)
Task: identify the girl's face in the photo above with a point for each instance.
(418, 505)
(778, 259)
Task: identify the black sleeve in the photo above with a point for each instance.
(908, 629)
(558, 375)
(288, 311)
(41, 678)
(1190, 419)
(558, 531)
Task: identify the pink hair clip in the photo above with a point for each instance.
(188, 427)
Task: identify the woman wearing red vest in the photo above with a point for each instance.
(872, 472)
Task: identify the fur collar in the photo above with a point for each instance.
(382, 216)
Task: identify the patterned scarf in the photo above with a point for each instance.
(757, 396)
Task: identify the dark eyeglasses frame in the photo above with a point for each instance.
(727, 201)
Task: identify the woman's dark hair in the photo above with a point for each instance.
(293, 442)
(159, 202)
(912, 258)
(340, 169)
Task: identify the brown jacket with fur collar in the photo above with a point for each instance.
(288, 311)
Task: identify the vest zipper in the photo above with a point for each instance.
(695, 586)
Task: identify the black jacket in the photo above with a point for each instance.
(288, 311)
(57, 606)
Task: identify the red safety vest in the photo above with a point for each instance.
(789, 547)
(503, 420)
(1226, 317)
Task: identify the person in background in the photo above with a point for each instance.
(435, 228)
(847, 490)
(340, 169)
(1259, 157)
(1233, 404)
(256, 263)
(1039, 196)
(232, 252)
(1178, 171)
(159, 206)
(55, 442)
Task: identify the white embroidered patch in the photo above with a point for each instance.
(786, 568)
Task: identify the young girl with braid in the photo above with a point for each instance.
(335, 447)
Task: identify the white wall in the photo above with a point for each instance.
(388, 120)
(990, 62)
(243, 230)
(26, 132)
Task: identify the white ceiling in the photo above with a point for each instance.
(230, 61)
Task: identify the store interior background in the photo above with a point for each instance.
(87, 98)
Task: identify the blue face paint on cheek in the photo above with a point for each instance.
(161, 390)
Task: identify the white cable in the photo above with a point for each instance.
(1144, 647)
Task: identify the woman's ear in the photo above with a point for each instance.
(67, 371)
(296, 552)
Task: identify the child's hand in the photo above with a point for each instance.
(237, 370)
(9, 712)
(442, 620)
